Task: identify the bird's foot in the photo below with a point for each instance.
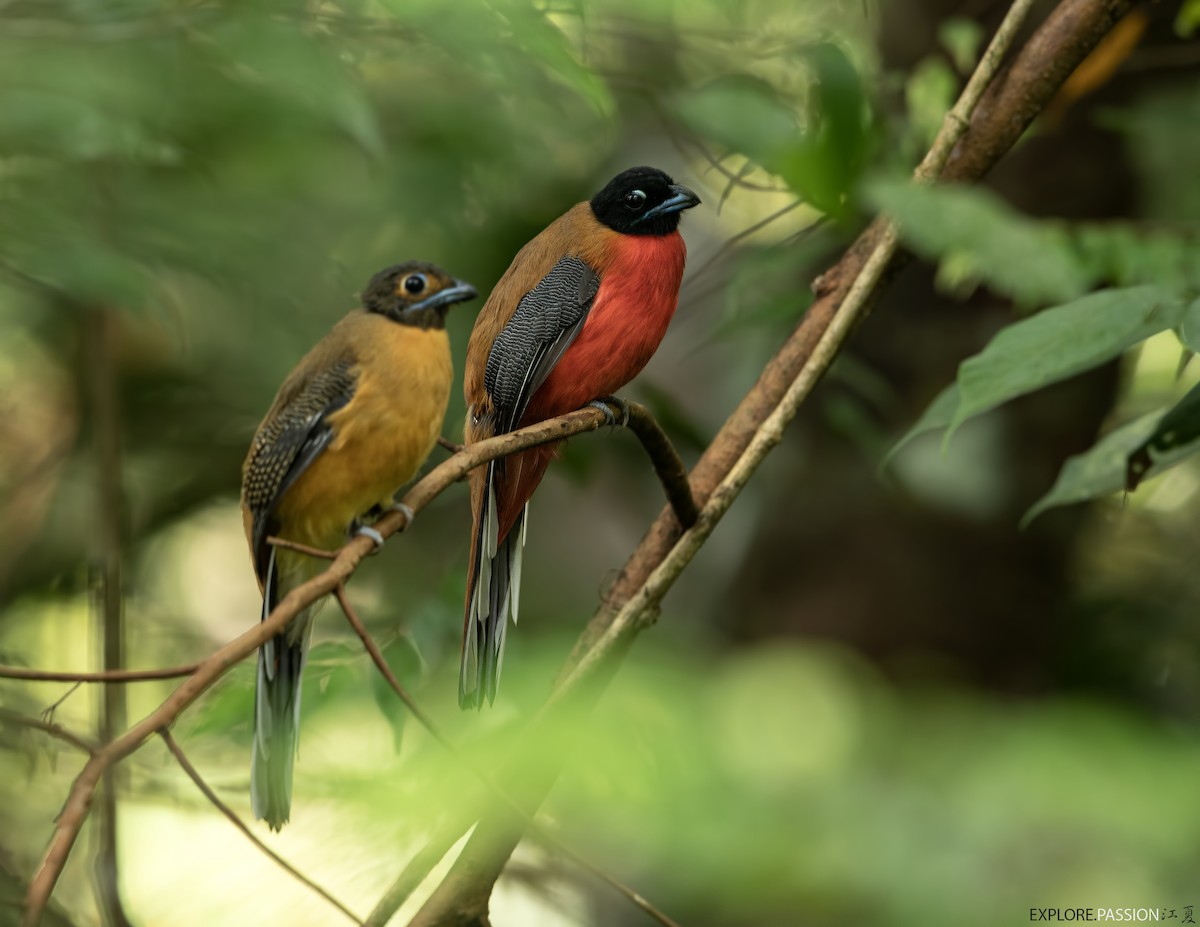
(406, 510)
(366, 531)
(606, 404)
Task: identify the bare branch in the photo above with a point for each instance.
(317, 552)
(48, 727)
(48, 713)
(204, 675)
(730, 243)
(426, 722)
(667, 464)
(37, 675)
(194, 775)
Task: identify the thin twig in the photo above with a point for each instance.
(205, 674)
(717, 284)
(731, 242)
(667, 463)
(194, 775)
(317, 552)
(426, 722)
(679, 139)
(48, 713)
(449, 445)
(48, 727)
(37, 675)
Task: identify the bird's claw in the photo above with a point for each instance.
(605, 404)
(366, 531)
(405, 510)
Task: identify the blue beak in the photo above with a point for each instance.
(459, 293)
(681, 198)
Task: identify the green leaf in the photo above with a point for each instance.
(1125, 256)
(744, 114)
(1098, 471)
(228, 705)
(331, 673)
(1060, 342)
(938, 415)
(961, 38)
(1189, 330)
(825, 166)
(1176, 438)
(405, 661)
(1188, 19)
(822, 161)
(929, 93)
(1162, 132)
(976, 237)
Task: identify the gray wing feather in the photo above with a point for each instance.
(546, 322)
(287, 444)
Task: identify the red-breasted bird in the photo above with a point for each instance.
(576, 316)
(350, 425)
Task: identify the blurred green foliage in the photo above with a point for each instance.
(222, 178)
(978, 239)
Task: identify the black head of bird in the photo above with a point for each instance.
(642, 201)
(415, 293)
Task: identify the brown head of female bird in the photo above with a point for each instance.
(576, 316)
(350, 425)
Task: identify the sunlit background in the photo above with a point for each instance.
(873, 699)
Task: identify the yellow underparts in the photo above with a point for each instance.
(381, 438)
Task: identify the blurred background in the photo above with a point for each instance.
(873, 699)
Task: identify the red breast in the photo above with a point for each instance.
(639, 291)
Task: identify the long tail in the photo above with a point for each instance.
(493, 593)
(277, 708)
(499, 503)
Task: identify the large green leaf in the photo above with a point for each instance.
(978, 238)
(1061, 342)
(1051, 346)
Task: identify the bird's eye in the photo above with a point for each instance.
(634, 199)
(414, 283)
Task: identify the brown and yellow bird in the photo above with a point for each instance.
(350, 425)
(576, 316)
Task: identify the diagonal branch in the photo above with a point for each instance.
(845, 293)
(194, 775)
(513, 806)
(205, 674)
(1012, 102)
